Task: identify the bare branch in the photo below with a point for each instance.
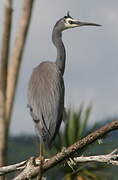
(5, 43)
(11, 168)
(3, 76)
(19, 166)
(17, 53)
(69, 152)
(111, 158)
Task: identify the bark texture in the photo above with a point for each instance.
(3, 78)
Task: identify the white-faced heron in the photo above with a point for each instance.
(46, 85)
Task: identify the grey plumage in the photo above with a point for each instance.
(46, 86)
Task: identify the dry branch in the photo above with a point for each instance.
(5, 44)
(11, 168)
(32, 168)
(3, 76)
(111, 158)
(17, 53)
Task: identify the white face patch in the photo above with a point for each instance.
(69, 23)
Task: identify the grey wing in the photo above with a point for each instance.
(46, 100)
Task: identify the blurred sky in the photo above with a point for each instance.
(92, 56)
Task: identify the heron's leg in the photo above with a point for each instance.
(41, 158)
(41, 150)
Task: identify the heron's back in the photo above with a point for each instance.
(46, 100)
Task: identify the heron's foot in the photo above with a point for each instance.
(39, 160)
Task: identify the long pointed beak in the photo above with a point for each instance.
(86, 24)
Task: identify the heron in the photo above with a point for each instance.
(46, 86)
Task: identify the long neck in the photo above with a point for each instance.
(61, 53)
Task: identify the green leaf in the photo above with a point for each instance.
(84, 121)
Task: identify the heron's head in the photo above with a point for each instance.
(68, 22)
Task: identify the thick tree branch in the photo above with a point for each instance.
(3, 77)
(32, 169)
(5, 44)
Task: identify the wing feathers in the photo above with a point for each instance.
(46, 98)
